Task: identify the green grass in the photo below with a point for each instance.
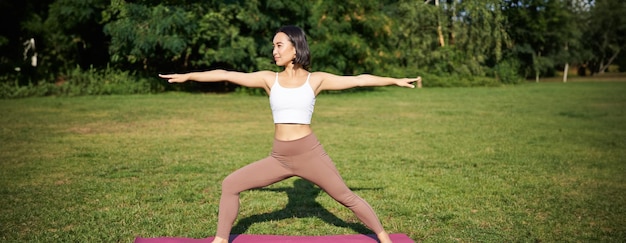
(530, 163)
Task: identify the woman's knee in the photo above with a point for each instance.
(229, 185)
(348, 199)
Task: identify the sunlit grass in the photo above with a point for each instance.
(536, 162)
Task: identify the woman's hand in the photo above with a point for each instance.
(175, 78)
(410, 82)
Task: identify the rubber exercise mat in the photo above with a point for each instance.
(396, 238)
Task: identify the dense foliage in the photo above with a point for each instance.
(450, 42)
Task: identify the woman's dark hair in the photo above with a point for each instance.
(298, 39)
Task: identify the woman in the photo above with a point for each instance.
(296, 151)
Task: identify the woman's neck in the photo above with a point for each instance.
(294, 70)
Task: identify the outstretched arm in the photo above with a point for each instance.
(252, 80)
(335, 82)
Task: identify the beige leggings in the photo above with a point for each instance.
(304, 157)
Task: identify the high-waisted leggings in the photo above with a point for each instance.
(305, 158)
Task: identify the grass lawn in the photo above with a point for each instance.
(539, 162)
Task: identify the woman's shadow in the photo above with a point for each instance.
(301, 204)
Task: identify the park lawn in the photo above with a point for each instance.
(539, 162)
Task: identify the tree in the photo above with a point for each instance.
(605, 33)
(351, 37)
(11, 34)
(541, 29)
(573, 48)
(43, 38)
(416, 32)
(479, 29)
(68, 34)
(246, 29)
(145, 36)
(237, 34)
(454, 40)
(463, 38)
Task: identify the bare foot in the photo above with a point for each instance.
(383, 237)
(222, 240)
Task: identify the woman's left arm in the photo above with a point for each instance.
(335, 82)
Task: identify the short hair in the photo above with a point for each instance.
(298, 39)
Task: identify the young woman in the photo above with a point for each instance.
(296, 151)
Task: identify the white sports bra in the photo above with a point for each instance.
(292, 105)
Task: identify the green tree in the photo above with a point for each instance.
(477, 29)
(573, 50)
(415, 34)
(69, 34)
(544, 32)
(143, 36)
(351, 37)
(604, 35)
(12, 35)
(462, 38)
(239, 35)
(458, 42)
(65, 33)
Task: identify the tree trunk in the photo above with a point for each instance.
(536, 76)
(439, 30)
(440, 34)
(565, 70)
(452, 18)
(604, 67)
(537, 66)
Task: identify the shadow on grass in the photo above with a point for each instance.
(301, 204)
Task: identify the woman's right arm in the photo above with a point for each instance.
(252, 80)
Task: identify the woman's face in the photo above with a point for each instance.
(284, 51)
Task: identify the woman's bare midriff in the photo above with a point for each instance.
(289, 132)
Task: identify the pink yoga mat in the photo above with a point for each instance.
(396, 238)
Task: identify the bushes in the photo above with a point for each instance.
(507, 71)
(14, 90)
(105, 82)
(79, 82)
(455, 80)
(109, 81)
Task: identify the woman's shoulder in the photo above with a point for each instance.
(320, 75)
(265, 73)
(316, 79)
